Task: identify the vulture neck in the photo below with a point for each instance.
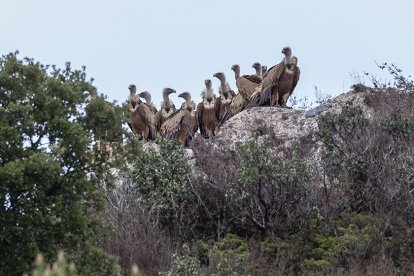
(237, 73)
(288, 58)
(148, 100)
(223, 83)
(167, 103)
(188, 104)
(259, 71)
(209, 93)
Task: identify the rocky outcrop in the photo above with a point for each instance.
(283, 127)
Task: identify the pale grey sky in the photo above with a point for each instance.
(179, 43)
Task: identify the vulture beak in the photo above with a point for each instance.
(215, 75)
(172, 91)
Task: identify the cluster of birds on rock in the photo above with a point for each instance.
(265, 88)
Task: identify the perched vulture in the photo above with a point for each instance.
(293, 66)
(206, 112)
(226, 95)
(182, 125)
(141, 118)
(277, 82)
(247, 85)
(166, 110)
(133, 99)
(147, 96)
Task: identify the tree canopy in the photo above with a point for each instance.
(56, 148)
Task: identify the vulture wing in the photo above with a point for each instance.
(296, 77)
(147, 115)
(253, 78)
(200, 109)
(237, 105)
(172, 122)
(246, 87)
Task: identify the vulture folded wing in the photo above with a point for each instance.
(185, 129)
(200, 109)
(147, 115)
(237, 105)
(296, 77)
(273, 75)
(253, 78)
(246, 87)
(172, 122)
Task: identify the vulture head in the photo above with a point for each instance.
(220, 76)
(132, 89)
(264, 69)
(208, 84)
(167, 91)
(235, 68)
(287, 51)
(146, 95)
(258, 67)
(187, 97)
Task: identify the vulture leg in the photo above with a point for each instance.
(282, 102)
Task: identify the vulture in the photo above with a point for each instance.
(166, 110)
(247, 85)
(277, 82)
(206, 112)
(293, 66)
(147, 96)
(141, 117)
(182, 125)
(226, 95)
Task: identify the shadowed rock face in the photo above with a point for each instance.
(282, 127)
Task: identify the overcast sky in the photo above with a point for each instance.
(180, 43)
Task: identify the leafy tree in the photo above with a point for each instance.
(269, 188)
(52, 161)
(163, 188)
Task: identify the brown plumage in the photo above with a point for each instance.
(166, 110)
(264, 70)
(141, 118)
(206, 112)
(147, 96)
(247, 85)
(183, 124)
(293, 66)
(277, 82)
(226, 95)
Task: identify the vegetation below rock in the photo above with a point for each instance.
(263, 207)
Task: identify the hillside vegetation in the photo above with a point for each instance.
(277, 192)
